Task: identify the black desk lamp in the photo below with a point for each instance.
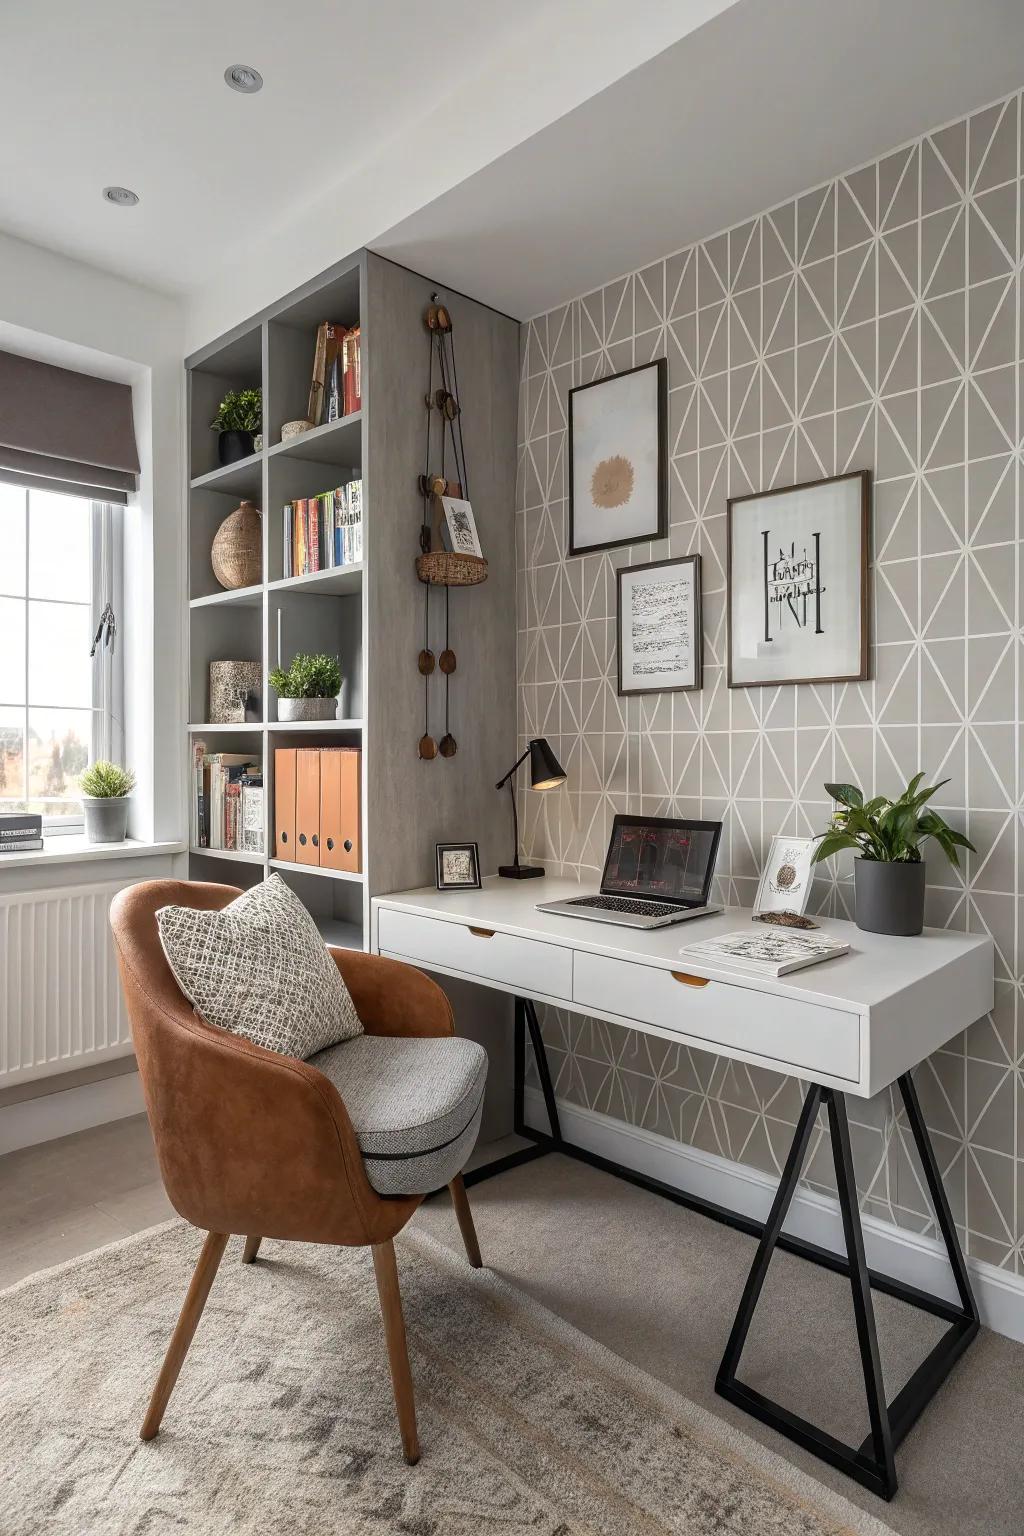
(545, 773)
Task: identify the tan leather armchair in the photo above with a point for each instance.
(255, 1143)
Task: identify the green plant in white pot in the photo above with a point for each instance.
(308, 689)
(887, 835)
(105, 789)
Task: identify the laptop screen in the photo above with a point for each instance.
(659, 859)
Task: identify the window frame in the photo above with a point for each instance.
(107, 672)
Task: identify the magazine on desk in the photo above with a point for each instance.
(766, 954)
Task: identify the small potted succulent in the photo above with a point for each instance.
(105, 788)
(308, 689)
(239, 419)
(889, 872)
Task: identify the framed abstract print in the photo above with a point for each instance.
(618, 468)
(458, 866)
(797, 577)
(658, 621)
(787, 876)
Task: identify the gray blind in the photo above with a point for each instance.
(65, 431)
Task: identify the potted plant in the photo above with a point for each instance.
(888, 871)
(308, 689)
(239, 418)
(105, 791)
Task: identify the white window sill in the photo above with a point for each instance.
(76, 850)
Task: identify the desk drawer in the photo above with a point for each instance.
(806, 1036)
(500, 957)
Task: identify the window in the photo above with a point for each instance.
(60, 568)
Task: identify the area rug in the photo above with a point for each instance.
(282, 1419)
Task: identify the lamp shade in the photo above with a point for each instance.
(545, 770)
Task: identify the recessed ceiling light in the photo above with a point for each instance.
(121, 197)
(242, 77)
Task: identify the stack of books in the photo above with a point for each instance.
(337, 386)
(323, 532)
(21, 833)
(227, 800)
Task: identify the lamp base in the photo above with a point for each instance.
(521, 871)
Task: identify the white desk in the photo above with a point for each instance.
(853, 1025)
(856, 1023)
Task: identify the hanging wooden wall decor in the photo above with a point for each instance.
(435, 565)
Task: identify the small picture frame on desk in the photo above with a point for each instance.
(787, 876)
(458, 866)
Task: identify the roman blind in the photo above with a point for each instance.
(65, 431)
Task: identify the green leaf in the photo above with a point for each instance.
(833, 842)
(846, 794)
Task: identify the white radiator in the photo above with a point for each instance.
(60, 996)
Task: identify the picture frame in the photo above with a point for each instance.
(785, 884)
(658, 626)
(797, 583)
(618, 459)
(460, 525)
(457, 866)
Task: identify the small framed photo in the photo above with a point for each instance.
(618, 466)
(458, 867)
(786, 879)
(461, 526)
(659, 631)
(797, 578)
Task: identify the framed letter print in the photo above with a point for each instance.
(659, 626)
(618, 475)
(797, 571)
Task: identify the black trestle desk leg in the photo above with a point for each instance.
(543, 1071)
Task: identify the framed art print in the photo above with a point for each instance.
(458, 866)
(786, 877)
(797, 577)
(618, 470)
(461, 526)
(658, 620)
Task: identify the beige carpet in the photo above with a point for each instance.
(282, 1419)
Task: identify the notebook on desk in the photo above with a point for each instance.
(657, 871)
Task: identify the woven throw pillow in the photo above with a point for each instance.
(260, 968)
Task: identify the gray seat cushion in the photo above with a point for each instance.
(415, 1106)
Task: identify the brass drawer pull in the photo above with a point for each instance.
(688, 980)
(482, 933)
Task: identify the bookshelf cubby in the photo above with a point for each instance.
(368, 614)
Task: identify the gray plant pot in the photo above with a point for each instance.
(106, 818)
(890, 897)
(307, 709)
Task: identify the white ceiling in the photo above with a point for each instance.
(521, 150)
(359, 96)
(767, 99)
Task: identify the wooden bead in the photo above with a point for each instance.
(447, 662)
(427, 747)
(426, 663)
(449, 746)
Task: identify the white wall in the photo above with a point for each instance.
(65, 312)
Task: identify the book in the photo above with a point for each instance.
(18, 828)
(767, 954)
(21, 845)
(250, 836)
(288, 552)
(352, 372)
(216, 800)
(316, 388)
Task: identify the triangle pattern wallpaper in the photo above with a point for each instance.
(873, 323)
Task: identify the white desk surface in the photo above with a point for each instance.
(877, 968)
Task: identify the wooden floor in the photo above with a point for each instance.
(66, 1197)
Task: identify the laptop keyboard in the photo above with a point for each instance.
(630, 904)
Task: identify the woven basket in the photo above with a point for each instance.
(443, 569)
(237, 552)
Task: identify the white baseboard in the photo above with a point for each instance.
(74, 1109)
(919, 1261)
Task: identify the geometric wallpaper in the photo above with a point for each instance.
(872, 323)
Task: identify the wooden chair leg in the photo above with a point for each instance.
(386, 1271)
(181, 1338)
(460, 1200)
(252, 1248)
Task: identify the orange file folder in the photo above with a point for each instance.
(340, 846)
(307, 805)
(284, 803)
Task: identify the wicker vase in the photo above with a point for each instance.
(237, 551)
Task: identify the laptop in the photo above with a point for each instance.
(658, 871)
